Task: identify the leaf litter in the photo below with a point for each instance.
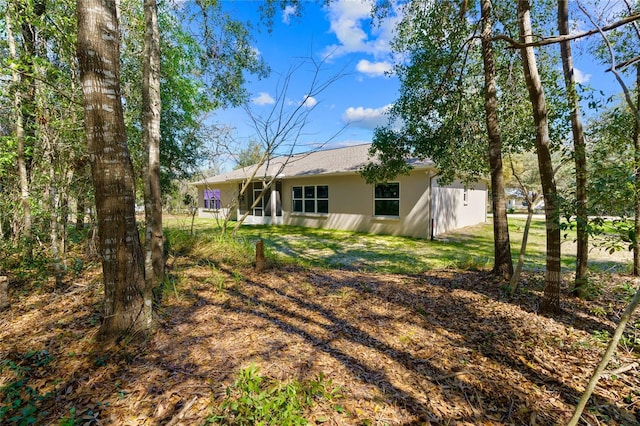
(441, 347)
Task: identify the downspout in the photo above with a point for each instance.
(432, 209)
(432, 220)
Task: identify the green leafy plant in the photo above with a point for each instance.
(599, 311)
(626, 291)
(258, 400)
(19, 400)
(630, 342)
(601, 336)
(71, 419)
(613, 235)
(87, 416)
(590, 289)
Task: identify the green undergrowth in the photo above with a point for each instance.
(37, 271)
(254, 399)
(19, 398)
(210, 246)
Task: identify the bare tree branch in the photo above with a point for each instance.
(614, 67)
(281, 129)
(515, 44)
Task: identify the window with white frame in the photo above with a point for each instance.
(310, 199)
(212, 199)
(386, 199)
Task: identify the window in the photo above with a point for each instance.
(212, 199)
(310, 199)
(387, 199)
(465, 197)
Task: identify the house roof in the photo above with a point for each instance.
(336, 161)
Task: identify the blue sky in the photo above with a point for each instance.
(343, 35)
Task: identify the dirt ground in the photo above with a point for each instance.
(443, 347)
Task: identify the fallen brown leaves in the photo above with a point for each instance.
(437, 348)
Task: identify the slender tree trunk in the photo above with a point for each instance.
(579, 150)
(245, 186)
(634, 106)
(80, 211)
(636, 167)
(515, 279)
(531, 199)
(611, 349)
(20, 139)
(503, 263)
(28, 89)
(551, 300)
(64, 222)
(54, 230)
(154, 256)
(265, 187)
(48, 143)
(80, 193)
(128, 302)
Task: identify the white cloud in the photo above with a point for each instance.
(580, 76)
(346, 18)
(350, 22)
(374, 69)
(287, 13)
(309, 102)
(263, 98)
(179, 3)
(367, 118)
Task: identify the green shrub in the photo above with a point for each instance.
(258, 400)
(626, 291)
(590, 289)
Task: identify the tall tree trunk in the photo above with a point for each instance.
(551, 300)
(579, 150)
(636, 168)
(80, 212)
(154, 257)
(127, 299)
(54, 230)
(503, 263)
(80, 192)
(29, 34)
(19, 108)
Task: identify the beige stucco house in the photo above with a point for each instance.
(323, 189)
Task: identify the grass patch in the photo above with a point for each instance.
(468, 248)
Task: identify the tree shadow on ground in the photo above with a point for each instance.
(491, 338)
(405, 349)
(575, 312)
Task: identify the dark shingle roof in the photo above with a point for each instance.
(347, 160)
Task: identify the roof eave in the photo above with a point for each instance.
(420, 167)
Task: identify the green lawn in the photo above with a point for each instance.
(468, 248)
